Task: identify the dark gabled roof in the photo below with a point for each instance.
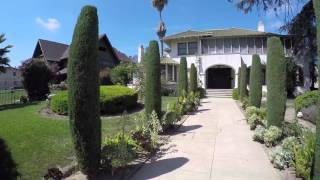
(231, 32)
(52, 51)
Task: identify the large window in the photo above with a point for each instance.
(243, 46)
(192, 48)
(204, 46)
(227, 46)
(264, 43)
(212, 46)
(219, 46)
(251, 46)
(258, 42)
(235, 46)
(182, 49)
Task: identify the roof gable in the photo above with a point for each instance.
(52, 51)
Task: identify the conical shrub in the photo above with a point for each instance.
(193, 79)
(276, 82)
(83, 83)
(239, 79)
(183, 77)
(243, 81)
(255, 92)
(153, 80)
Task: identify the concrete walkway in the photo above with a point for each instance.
(215, 143)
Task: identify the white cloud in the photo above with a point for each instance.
(51, 24)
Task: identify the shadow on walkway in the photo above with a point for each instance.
(163, 166)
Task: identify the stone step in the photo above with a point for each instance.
(219, 93)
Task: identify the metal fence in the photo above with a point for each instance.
(8, 97)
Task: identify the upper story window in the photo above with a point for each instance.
(258, 43)
(227, 46)
(190, 48)
(235, 46)
(243, 46)
(14, 73)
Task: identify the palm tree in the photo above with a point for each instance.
(4, 61)
(161, 32)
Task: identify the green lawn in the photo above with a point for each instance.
(38, 143)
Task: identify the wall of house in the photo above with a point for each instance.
(12, 78)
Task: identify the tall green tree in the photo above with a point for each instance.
(153, 80)
(183, 77)
(239, 78)
(255, 92)
(4, 60)
(193, 85)
(161, 32)
(83, 83)
(276, 82)
(243, 81)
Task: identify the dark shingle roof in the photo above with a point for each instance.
(52, 51)
(218, 33)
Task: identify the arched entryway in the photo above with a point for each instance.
(220, 77)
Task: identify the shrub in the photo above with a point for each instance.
(304, 155)
(276, 80)
(307, 99)
(123, 73)
(193, 79)
(281, 158)
(289, 143)
(272, 135)
(83, 93)
(105, 76)
(202, 92)
(251, 110)
(183, 77)
(36, 78)
(235, 94)
(292, 129)
(23, 99)
(255, 93)
(153, 81)
(243, 81)
(113, 99)
(8, 168)
(239, 79)
(259, 134)
(245, 103)
(155, 129)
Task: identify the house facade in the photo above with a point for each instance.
(217, 54)
(12, 78)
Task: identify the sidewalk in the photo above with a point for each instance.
(213, 144)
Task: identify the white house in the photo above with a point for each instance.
(12, 78)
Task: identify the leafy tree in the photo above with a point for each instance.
(83, 93)
(183, 77)
(4, 61)
(276, 82)
(193, 78)
(123, 73)
(161, 32)
(153, 80)
(36, 77)
(243, 81)
(255, 92)
(8, 168)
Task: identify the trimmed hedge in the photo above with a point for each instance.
(183, 77)
(255, 92)
(193, 85)
(307, 99)
(243, 81)
(113, 99)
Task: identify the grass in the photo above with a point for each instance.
(166, 100)
(38, 143)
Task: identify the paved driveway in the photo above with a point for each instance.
(213, 144)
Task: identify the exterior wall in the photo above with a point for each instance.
(12, 78)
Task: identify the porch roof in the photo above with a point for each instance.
(166, 60)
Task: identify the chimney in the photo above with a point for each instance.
(140, 53)
(261, 26)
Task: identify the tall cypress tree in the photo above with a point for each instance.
(183, 77)
(83, 82)
(276, 82)
(255, 92)
(239, 79)
(193, 78)
(243, 81)
(316, 170)
(153, 81)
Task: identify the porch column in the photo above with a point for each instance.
(166, 72)
(173, 72)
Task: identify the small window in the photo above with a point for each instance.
(258, 42)
(182, 49)
(264, 43)
(204, 46)
(235, 46)
(219, 46)
(243, 46)
(192, 48)
(251, 46)
(227, 46)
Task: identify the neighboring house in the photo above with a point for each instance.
(56, 55)
(12, 78)
(217, 54)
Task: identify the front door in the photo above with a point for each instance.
(219, 78)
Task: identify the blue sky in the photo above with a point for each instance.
(127, 23)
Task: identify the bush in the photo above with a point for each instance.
(235, 94)
(123, 73)
(193, 79)
(259, 134)
(36, 78)
(8, 168)
(272, 135)
(304, 155)
(307, 99)
(105, 76)
(202, 92)
(243, 81)
(255, 116)
(292, 129)
(255, 93)
(276, 80)
(281, 158)
(245, 103)
(153, 81)
(183, 77)
(113, 99)
(83, 92)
